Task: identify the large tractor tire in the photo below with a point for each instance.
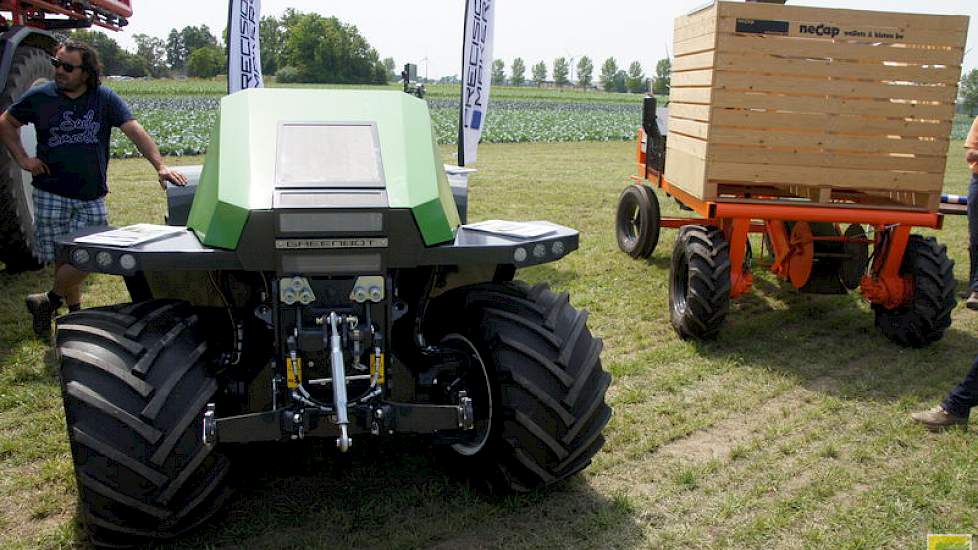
(699, 282)
(924, 319)
(136, 381)
(637, 221)
(541, 371)
(17, 249)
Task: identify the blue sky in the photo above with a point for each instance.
(428, 32)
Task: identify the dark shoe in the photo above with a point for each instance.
(938, 419)
(40, 308)
(972, 301)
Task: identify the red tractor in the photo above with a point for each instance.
(29, 36)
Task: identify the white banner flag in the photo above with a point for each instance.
(476, 76)
(244, 53)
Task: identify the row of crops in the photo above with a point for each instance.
(182, 124)
(180, 116)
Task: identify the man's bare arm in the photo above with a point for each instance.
(10, 136)
(144, 142)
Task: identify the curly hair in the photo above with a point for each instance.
(90, 60)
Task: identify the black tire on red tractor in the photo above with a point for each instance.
(136, 380)
(541, 370)
(18, 251)
(699, 282)
(924, 319)
(637, 221)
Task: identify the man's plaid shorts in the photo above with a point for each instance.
(56, 216)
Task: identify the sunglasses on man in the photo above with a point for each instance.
(68, 67)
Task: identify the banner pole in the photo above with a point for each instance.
(461, 103)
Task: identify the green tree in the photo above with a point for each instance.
(498, 71)
(636, 83)
(206, 62)
(152, 52)
(326, 50)
(969, 91)
(391, 67)
(272, 36)
(539, 73)
(585, 70)
(115, 60)
(608, 72)
(180, 44)
(619, 83)
(518, 72)
(663, 77)
(561, 70)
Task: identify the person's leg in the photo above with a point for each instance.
(956, 408)
(964, 396)
(68, 280)
(51, 218)
(67, 283)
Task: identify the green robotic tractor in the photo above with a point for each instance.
(323, 287)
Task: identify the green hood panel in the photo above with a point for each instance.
(240, 167)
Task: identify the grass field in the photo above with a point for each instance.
(790, 431)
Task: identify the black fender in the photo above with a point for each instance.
(27, 36)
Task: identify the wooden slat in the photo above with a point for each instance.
(953, 23)
(829, 123)
(692, 78)
(701, 95)
(692, 62)
(823, 49)
(695, 45)
(835, 88)
(689, 110)
(694, 29)
(776, 64)
(739, 136)
(864, 33)
(708, 13)
(690, 128)
(686, 171)
(761, 156)
(691, 146)
(742, 100)
(720, 172)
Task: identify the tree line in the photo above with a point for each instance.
(296, 47)
(611, 78)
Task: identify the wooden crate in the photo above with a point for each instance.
(829, 105)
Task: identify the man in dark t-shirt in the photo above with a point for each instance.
(73, 117)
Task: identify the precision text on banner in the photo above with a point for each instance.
(244, 53)
(476, 61)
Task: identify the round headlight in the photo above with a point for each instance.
(519, 254)
(539, 250)
(103, 259)
(558, 248)
(127, 262)
(80, 256)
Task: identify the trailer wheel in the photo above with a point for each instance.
(135, 382)
(924, 319)
(17, 244)
(699, 282)
(637, 221)
(543, 367)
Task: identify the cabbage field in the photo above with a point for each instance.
(179, 114)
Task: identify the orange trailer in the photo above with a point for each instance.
(825, 130)
(817, 248)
